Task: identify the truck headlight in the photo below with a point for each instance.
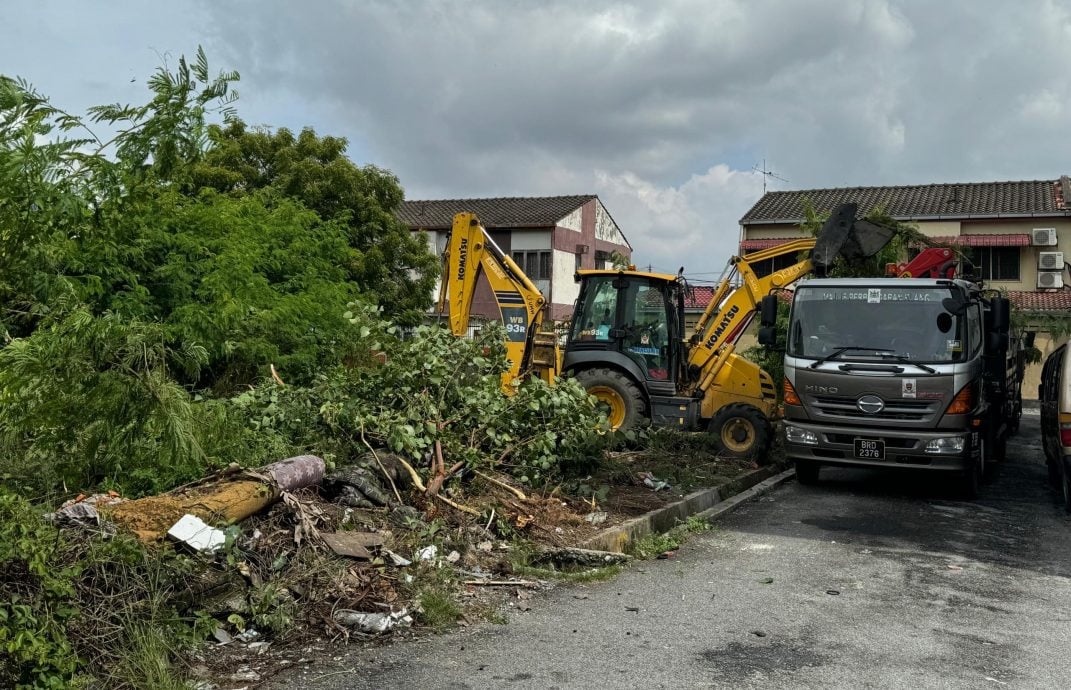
(945, 446)
(794, 434)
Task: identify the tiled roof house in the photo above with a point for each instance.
(1017, 234)
(549, 237)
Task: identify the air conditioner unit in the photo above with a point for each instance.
(1043, 237)
(1051, 261)
(581, 249)
(1050, 279)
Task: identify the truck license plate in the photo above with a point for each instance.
(869, 449)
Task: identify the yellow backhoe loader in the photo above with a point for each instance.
(627, 344)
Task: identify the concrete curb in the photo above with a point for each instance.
(745, 496)
(705, 502)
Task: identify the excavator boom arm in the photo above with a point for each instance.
(470, 252)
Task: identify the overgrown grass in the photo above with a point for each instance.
(439, 609)
(87, 611)
(654, 544)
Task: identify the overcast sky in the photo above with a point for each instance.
(661, 108)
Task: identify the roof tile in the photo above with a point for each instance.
(506, 212)
(1041, 301)
(912, 202)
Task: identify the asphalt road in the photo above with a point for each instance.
(867, 580)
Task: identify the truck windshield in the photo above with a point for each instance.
(887, 322)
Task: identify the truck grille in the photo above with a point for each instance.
(895, 410)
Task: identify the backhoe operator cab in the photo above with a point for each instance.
(625, 345)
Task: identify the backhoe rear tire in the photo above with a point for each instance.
(621, 396)
(741, 431)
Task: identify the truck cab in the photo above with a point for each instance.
(896, 372)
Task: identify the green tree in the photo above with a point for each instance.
(391, 264)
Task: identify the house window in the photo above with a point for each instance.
(536, 265)
(995, 263)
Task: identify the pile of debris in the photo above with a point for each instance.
(291, 551)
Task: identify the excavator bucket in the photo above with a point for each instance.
(843, 235)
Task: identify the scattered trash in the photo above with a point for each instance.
(502, 583)
(81, 511)
(357, 487)
(428, 553)
(580, 596)
(485, 546)
(766, 581)
(258, 647)
(666, 554)
(353, 544)
(247, 635)
(396, 560)
(597, 518)
(955, 567)
(453, 557)
(372, 622)
(758, 633)
(832, 592)
(245, 673)
(652, 482)
(222, 636)
(194, 533)
(575, 556)
(633, 609)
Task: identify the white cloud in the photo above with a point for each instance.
(694, 224)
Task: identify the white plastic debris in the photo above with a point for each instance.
(428, 553)
(192, 531)
(396, 560)
(372, 622)
(653, 482)
(453, 557)
(597, 518)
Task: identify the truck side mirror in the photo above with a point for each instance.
(768, 311)
(1001, 314)
(768, 336)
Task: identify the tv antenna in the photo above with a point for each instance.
(766, 174)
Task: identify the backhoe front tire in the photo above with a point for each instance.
(741, 431)
(617, 392)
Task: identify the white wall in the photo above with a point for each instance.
(566, 289)
(605, 227)
(573, 221)
(528, 240)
